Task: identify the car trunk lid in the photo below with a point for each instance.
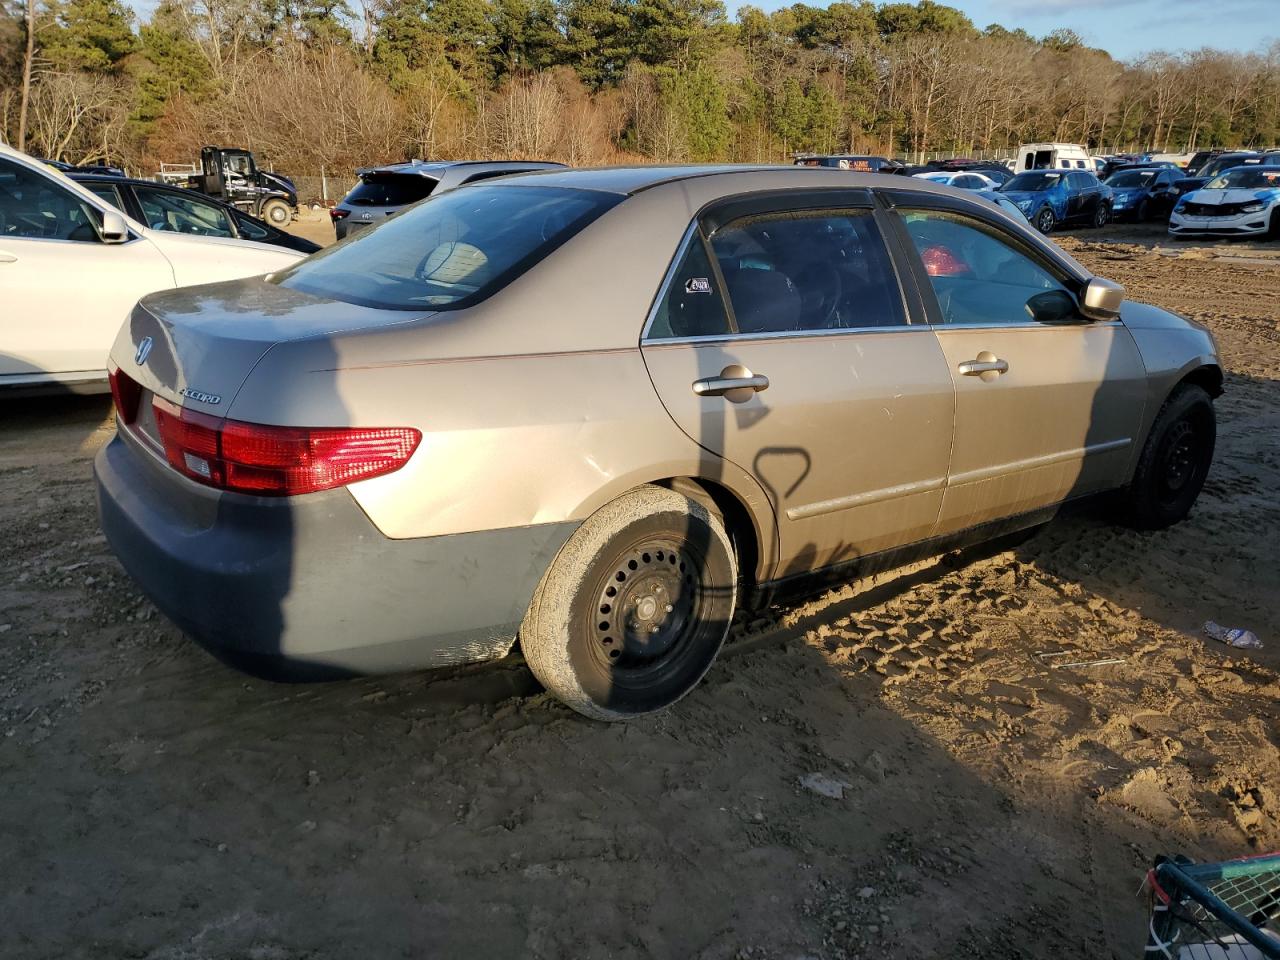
(195, 346)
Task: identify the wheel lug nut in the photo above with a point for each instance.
(670, 608)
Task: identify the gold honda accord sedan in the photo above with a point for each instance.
(598, 410)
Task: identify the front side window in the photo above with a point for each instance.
(176, 213)
(451, 250)
(107, 192)
(979, 276)
(33, 206)
(807, 270)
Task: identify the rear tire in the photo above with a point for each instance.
(1174, 462)
(633, 610)
(1045, 220)
(276, 212)
(1100, 216)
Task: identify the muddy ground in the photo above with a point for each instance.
(155, 804)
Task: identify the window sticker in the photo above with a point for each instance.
(697, 285)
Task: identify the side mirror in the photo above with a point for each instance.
(114, 229)
(1052, 306)
(1101, 299)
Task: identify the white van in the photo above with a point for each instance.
(72, 267)
(1053, 156)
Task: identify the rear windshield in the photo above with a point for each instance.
(451, 251)
(390, 189)
(1033, 181)
(1131, 178)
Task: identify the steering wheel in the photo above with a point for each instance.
(820, 286)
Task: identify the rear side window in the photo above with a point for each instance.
(451, 251)
(692, 305)
(807, 270)
(390, 190)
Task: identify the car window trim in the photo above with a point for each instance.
(1068, 277)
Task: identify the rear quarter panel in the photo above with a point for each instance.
(508, 441)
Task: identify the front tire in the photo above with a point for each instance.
(1174, 462)
(276, 212)
(1045, 221)
(633, 610)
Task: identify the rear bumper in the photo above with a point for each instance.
(308, 588)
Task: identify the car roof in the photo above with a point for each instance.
(725, 178)
(81, 177)
(434, 168)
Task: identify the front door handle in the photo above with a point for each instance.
(735, 383)
(986, 366)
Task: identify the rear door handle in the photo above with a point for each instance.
(986, 366)
(736, 384)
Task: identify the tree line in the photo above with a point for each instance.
(325, 84)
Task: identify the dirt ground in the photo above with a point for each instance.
(156, 804)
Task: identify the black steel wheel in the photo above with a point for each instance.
(634, 609)
(1174, 461)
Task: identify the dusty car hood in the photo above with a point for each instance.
(1214, 198)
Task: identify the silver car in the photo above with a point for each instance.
(600, 410)
(382, 191)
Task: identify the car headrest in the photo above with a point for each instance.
(764, 301)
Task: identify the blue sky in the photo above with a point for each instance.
(1128, 28)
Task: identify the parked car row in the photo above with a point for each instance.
(76, 256)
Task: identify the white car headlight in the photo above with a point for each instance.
(1254, 207)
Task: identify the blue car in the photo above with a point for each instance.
(1054, 198)
(1143, 193)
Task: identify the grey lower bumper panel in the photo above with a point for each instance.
(308, 588)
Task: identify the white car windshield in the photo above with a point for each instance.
(1247, 178)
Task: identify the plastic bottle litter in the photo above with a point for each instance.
(1233, 636)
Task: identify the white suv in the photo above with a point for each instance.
(72, 267)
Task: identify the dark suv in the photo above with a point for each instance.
(385, 190)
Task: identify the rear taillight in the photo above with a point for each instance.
(125, 393)
(338, 214)
(278, 461)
